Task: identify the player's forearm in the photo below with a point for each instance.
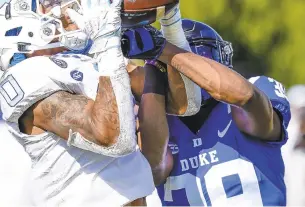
(112, 112)
(176, 95)
(154, 133)
(105, 114)
(258, 118)
(137, 78)
(222, 83)
(253, 113)
(153, 122)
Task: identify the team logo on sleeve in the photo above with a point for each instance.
(77, 75)
(59, 62)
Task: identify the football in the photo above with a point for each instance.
(137, 13)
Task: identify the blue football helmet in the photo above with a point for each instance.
(205, 41)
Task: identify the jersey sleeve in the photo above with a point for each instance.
(78, 76)
(275, 91)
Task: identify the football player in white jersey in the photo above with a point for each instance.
(52, 99)
(81, 140)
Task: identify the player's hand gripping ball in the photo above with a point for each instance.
(144, 43)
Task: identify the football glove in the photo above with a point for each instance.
(101, 21)
(145, 43)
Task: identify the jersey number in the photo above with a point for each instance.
(278, 88)
(11, 91)
(211, 184)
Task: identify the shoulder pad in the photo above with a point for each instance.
(275, 91)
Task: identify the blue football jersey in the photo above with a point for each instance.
(222, 166)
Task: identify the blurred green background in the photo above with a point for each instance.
(267, 35)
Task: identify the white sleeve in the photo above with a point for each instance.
(126, 142)
(82, 78)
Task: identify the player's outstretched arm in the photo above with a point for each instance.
(253, 112)
(153, 124)
(109, 121)
(63, 113)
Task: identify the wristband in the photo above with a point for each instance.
(154, 81)
(159, 65)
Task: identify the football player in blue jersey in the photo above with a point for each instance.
(230, 152)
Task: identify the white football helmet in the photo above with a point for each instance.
(37, 30)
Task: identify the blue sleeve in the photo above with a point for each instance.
(275, 91)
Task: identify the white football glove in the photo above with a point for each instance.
(101, 21)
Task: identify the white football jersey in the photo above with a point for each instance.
(63, 175)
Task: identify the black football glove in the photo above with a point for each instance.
(145, 43)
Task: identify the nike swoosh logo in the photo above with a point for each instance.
(223, 133)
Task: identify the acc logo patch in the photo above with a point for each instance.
(59, 62)
(77, 75)
(174, 148)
